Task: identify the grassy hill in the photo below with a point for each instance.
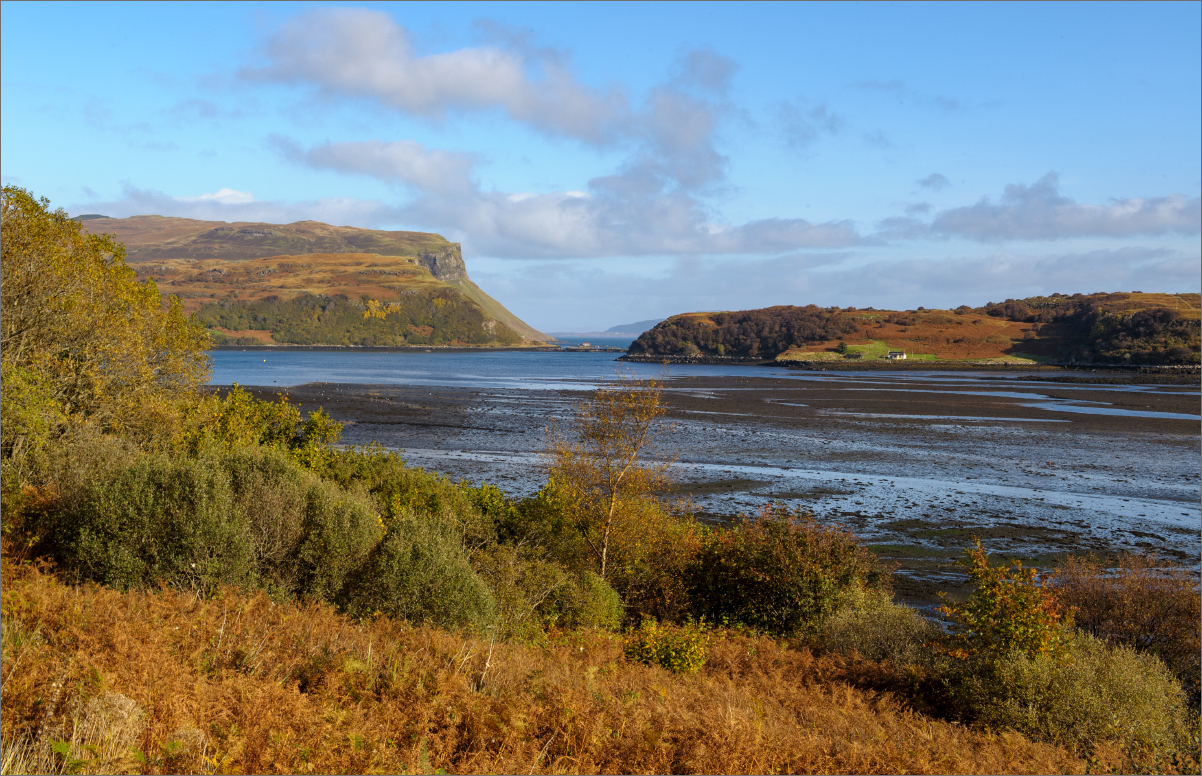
(1093, 328)
(261, 283)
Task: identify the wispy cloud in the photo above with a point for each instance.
(582, 294)
(627, 214)
(1040, 212)
(935, 181)
(904, 94)
(804, 125)
(228, 204)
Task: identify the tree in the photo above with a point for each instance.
(81, 336)
(598, 476)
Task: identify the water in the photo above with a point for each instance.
(878, 451)
(462, 369)
(583, 371)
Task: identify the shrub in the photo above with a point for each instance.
(340, 529)
(680, 649)
(586, 601)
(159, 519)
(868, 623)
(521, 583)
(1098, 693)
(782, 572)
(1145, 603)
(1010, 609)
(419, 572)
(245, 517)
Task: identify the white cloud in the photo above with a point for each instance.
(404, 161)
(1039, 212)
(633, 213)
(358, 53)
(224, 196)
(233, 206)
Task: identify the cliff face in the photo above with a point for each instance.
(446, 264)
(240, 265)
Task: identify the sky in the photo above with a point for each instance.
(608, 163)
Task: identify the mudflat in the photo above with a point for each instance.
(915, 464)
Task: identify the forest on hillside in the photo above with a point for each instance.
(748, 333)
(442, 317)
(1082, 328)
(1093, 334)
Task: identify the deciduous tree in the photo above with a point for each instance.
(80, 331)
(600, 475)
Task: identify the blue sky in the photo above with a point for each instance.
(605, 163)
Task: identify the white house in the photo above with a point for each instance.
(896, 355)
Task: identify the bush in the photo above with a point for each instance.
(247, 517)
(160, 520)
(870, 624)
(681, 649)
(781, 573)
(1145, 603)
(1099, 693)
(420, 572)
(1010, 609)
(586, 601)
(521, 583)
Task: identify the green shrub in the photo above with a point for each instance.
(1099, 693)
(680, 649)
(1147, 603)
(870, 624)
(585, 601)
(340, 530)
(160, 519)
(521, 583)
(781, 572)
(1010, 608)
(246, 517)
(420, 572)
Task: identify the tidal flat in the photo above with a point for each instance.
(914, 464)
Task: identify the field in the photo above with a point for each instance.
(161, 682)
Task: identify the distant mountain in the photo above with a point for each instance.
(634, 328)
(1115, 328)
(262, 283)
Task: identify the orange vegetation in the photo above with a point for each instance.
(239, 684)
(152, 238)
(355, 275)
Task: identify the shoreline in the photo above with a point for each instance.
(394, 349)
(853, 365)
(913, 470)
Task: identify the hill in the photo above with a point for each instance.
(637, 327)
(1110, 328)
(257, 283)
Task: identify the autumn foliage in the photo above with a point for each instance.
(1011, 609)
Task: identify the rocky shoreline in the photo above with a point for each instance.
(924, 366)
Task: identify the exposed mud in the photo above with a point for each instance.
(915, 464)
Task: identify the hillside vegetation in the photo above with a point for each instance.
(222, 588)
(1118, 328)
(229, 270)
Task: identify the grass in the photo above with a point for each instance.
(241, 684)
